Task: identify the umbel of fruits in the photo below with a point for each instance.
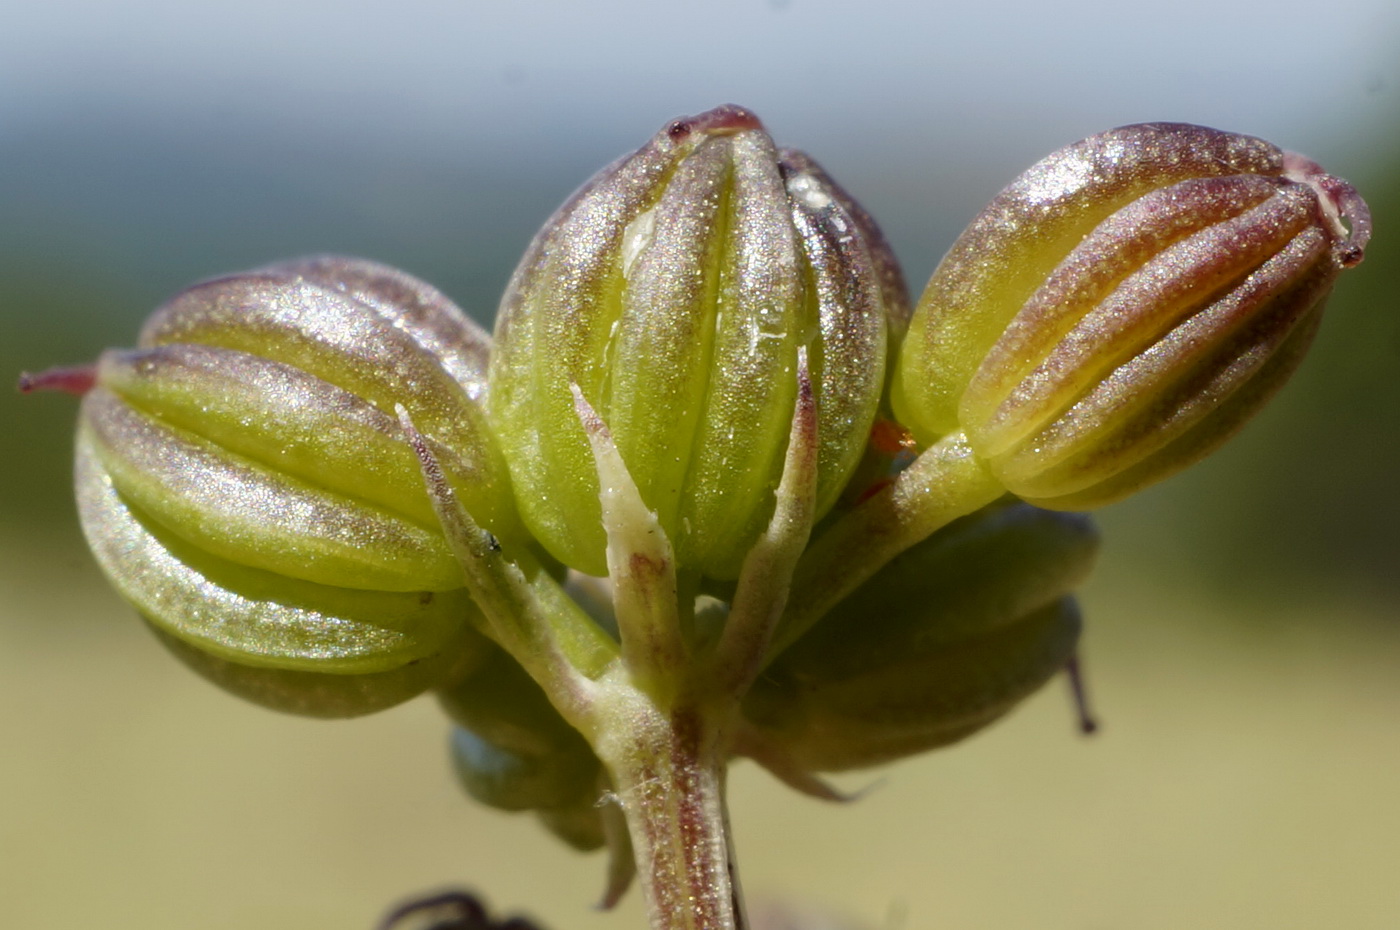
(659, 523)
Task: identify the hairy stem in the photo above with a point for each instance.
(668, 775)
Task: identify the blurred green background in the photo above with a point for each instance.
(1244, 625)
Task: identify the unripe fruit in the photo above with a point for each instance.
(325, 694)
(244, 481)
(1125, 305)
(675, 290)
(944, 640)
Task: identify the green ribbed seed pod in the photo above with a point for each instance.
(244, 481)
(920, 704)
(947, 638)
(675, 290)
(1125, 305)
(329, 695)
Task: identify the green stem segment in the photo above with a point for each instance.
(946, 482)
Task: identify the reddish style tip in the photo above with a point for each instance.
(1343, 206)
(722, 120)
(73, 379)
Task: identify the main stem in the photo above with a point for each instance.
(668, 769)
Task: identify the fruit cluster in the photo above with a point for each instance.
(713, 489)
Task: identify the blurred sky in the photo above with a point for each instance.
(144, 145)
(496, 75)
(924, 108)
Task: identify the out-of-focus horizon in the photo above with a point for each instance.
(146, 145)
